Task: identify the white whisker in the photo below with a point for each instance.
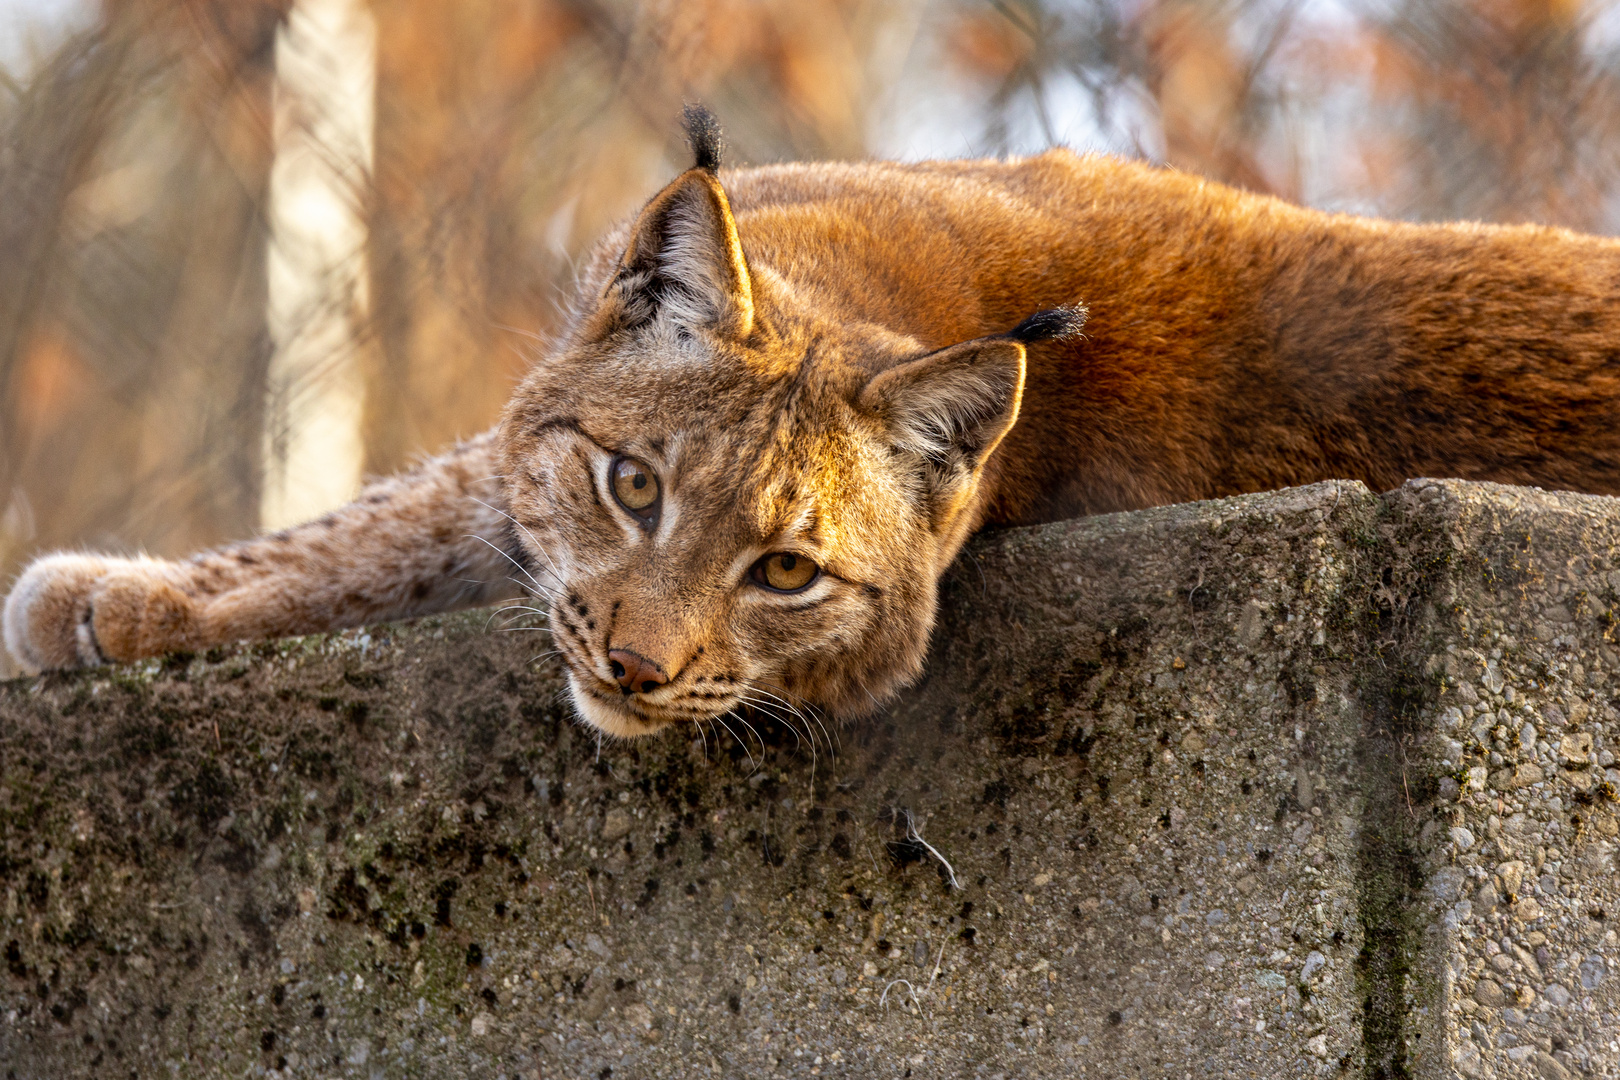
(808, 714)
(519, 607)
(772, 711)
(530, 592)
(743, 720)
(538, 546)
(545, 590)
(512, 613)
(775, 713)
(752, 767)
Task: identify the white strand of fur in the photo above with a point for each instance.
(913, 835)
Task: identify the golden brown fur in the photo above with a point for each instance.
(814, 359)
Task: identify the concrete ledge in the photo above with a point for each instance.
(1510, 619)
(1215, 781)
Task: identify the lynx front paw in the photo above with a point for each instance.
(77, 610)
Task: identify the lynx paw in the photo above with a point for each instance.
(78, 610)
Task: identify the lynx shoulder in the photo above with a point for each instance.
(787, 395)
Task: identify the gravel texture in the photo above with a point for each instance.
(1310, 783)
(1518, 727)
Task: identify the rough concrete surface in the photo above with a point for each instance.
(1514, 620)
(1310, 783)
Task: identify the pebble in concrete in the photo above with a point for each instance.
(1524, 687)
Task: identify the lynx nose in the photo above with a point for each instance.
(636, 672)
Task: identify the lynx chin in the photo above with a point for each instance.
(786, 396)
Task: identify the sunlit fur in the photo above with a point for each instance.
(755, 455)
(814, 359)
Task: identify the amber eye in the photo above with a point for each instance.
(784, 572)
(635, 486)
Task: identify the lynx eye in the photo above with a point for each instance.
(635, 486)
(785, 572)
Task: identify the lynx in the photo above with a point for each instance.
(786, 396)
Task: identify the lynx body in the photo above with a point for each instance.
(787, 395)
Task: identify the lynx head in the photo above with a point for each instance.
(732, 496)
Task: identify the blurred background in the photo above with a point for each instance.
(252, 251)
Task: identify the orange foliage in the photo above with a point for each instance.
(49, 379)
(987, 45)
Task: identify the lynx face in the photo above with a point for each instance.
(765, 556)
(730, 500)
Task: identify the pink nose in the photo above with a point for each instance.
(635, 672)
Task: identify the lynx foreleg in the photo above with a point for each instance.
(431, 539)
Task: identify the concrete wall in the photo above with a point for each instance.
(1312, 783)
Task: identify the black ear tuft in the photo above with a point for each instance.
(703, 136)
(1053, 324)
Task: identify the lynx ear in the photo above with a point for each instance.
(953, 407)
(684, 259)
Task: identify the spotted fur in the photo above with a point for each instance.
(840, 361)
